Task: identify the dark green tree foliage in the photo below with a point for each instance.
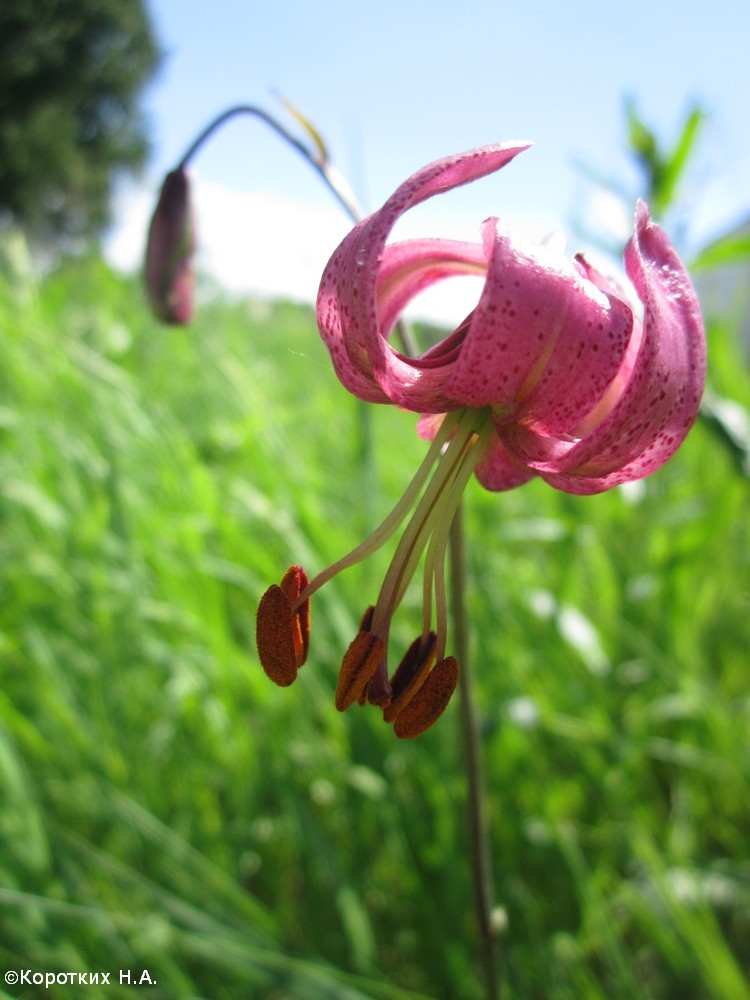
(71, 74)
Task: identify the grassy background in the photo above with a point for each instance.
(164, 807)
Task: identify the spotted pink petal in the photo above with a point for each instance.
(544, 341)
(497, 471)
(408, 268)
(582, 392)
(659, 400)
(349, 306)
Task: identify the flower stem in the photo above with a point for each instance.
(479, 850)
(332, 179)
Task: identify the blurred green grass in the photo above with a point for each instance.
(163, 806)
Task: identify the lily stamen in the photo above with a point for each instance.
(434, 569)
(366, 651)
(411, 674)
(430, 524)
(392, 522)
(432, 498)
(430, 701)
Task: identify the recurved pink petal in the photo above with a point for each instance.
(340, 315)
(661, 394)
(348, 300)
(497, 471)
(544, 342)
(409, 267)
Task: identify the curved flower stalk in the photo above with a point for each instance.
(553, 374)
(169, 271)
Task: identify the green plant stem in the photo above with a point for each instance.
(479, 850)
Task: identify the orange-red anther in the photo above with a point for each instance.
(282, 631)
(410, 674)
(429, 702)
(293, 583)
(360, 662)
(275, 631)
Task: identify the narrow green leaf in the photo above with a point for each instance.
(731, 249)
(675, 165)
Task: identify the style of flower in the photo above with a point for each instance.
(551, 375)
(169, 272)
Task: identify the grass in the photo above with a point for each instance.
(164, 807)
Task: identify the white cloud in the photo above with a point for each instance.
(255, 244)
(126, 241)
(264, 244)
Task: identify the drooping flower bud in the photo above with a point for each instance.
(169, 271)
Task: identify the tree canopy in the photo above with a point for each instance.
(71, 75)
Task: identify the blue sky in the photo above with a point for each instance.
(396, 84)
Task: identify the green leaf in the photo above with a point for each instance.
(730, 422)
(663, 169)
(734, 248)
(674, 167)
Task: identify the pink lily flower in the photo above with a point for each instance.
(553, 374)
(581, 391)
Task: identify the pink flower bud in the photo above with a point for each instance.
(169, 271)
